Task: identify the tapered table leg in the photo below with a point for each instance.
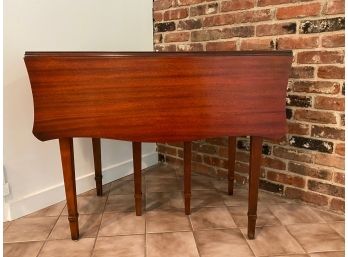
(187, 176)
(254, 174)
(137, 177)
(97, 165)
(231, 163)
(67, 156)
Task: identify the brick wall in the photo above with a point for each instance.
(308, 163)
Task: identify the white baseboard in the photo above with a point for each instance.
(44, 198)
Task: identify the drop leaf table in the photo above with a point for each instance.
(158, 97)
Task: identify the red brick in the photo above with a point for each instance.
(297, 42)
(242, 31)
(204, 9)
(310, 197)
(273, 163)
(329, 103)
(221, 46)
(165, 48)
(306, 170)
(177, 37)
(327, 132)
(174, 161)
(203, 169)
(205, 35)
(339, 178)
(190, 24)
(194, 47)
(157, 38)
(238, 17)
(298, 128)
(334, 7)
(274, 2)
(276, 29)
(333, 40)
(329, 160)
(233, 5)
(319, 87)
(298, 11)
(302, 72)
(242, 167)
(162, 4)
(257, 44)
(337, 204)
(204, 148)
(320, 57)
(157, 16)
(325, 188)
(189, 2)
(331, 72)
(286, 179)
(315, 116)
(175, 14)
(340, 149)
(292, 154)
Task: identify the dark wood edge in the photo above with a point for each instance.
(164, 54)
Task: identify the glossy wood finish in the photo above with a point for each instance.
(67, 156)
(97, 165)
(159, 97)
(254, 174)
(231, 163)
(137, 177)
(145, 97)
(187, 176)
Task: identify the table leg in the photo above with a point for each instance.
(231, 163)
(97, 165)
(254, 174)
(137, 177)
(187, 176)
(67, 156)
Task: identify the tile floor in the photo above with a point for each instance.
(216, 227)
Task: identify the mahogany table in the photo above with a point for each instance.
(158, 97)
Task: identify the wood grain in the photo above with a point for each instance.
(158, 97)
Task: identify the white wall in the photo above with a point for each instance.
(33, 168)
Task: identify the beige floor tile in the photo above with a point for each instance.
(26, 249)
(327, 254)
(317, 237)
(93, 192)
(159, 184)
(295, 213)
(329, 216)
(239, 198)
(264, 216)
(206, 198)
(88, 225)
(53, 210)
(274, 240)
(202, 183)
(177, 244)
(222, 243)
(292, 255)
(125, 246)
(89, 205)
(164, 200)
(220, 185)
(272, 198)
(68, 248)
(122, 223)
(338, 227)
(120, 203)
(124, 187)
(158, 221)
(161, 171)
(29, 229)
(209, 218)
(6, 224)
